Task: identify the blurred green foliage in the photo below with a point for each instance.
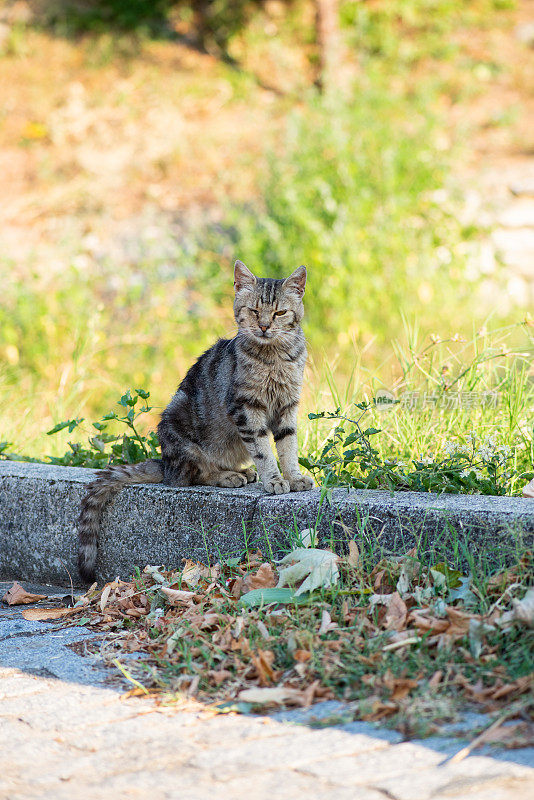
(357, 188)
(105, 448)
(212, 22)
(466, 428)
(457, 418)
(403, 33)
(352, 195)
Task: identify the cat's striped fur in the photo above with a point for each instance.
(218, 422)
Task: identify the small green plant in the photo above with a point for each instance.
(419, 435)
(348, 458)
(105, 448)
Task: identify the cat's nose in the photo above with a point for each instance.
(263, 328)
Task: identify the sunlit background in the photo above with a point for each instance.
(386, 144)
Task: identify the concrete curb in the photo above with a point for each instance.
(154, 524)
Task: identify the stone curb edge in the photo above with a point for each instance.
(156, 524)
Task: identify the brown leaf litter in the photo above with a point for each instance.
(357, 639)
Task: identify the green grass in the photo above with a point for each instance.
(458, 418)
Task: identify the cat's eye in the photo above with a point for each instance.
(254, 311)
(279, 313)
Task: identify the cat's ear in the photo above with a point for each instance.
(243, 277)
(296, 282)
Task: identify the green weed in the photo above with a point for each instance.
(104, 448)
(457, 417)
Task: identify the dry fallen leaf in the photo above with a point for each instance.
(512, 735)
(302, 656)
(219, 676)
(426, 624)
(237, 587)
(154, 572)
(40, 614)
(399, 687)
(269, 696)
(481, 694)
(307, 537)
(193, 572)
(238, 627)
(318, 567)
(477, 634)
(379, 710)
(104, 597)
(524, 609)
(396, 613)
(520, 685)
(410, 568)
(459, 622)
(378, 600)
(209, 621)
(136, 612)
(177, 595)
(263, 661)
(16, 595)
(209, 616)
(173, 640)
(264, 578)
(354, 554)
(528, 490)
(326, 623)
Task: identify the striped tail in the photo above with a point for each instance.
(108, 483)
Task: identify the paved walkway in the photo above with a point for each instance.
(65, 733)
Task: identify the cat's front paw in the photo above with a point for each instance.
(276, 485)
(250, 474)
(231, 480)
(301, 483)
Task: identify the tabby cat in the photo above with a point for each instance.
(220, 418)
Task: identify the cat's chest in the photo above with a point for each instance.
(278, 384)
